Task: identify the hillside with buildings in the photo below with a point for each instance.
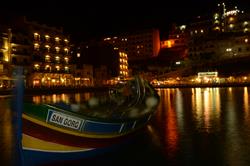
(49, 57)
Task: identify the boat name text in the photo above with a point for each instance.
(64, 120)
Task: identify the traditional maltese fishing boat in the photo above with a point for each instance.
(60, 131)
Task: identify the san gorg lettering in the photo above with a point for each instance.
(64, 120)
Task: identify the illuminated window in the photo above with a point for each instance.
(217, 28)
(36, 67)
(78, 55)
(231, 26)
(183, 27)
(66, 41)
(66, 59)
(246, 30)
(246, 40)
(57, 49)
(47, 67)
(57, 39)
(202, 31)
(57, 68)
(47, 37)
(108, 38)
(57, 58)
(47, 58)
(216, 16)
(47, 47)
(66, 68)
(36, 36)
(36, 46)
(231, 19)
(216, 22)
(245, 23)
(66, 50)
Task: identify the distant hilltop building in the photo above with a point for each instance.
(223, 34)
(230, 19)
(138, 45)
(137, 48)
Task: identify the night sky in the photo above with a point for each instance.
(88, 19)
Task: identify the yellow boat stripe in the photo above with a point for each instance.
(32, 143)
(70, 131)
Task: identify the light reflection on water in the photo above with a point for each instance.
(193, 126)
(206, 108)
(67, 98)
(7, 140)
(205, 124)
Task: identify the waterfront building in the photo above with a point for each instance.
(5, 58)
(51, 56)
(43, 51)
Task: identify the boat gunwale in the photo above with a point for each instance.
(76, 132)
(94, 119)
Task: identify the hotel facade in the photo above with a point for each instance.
(44, 53)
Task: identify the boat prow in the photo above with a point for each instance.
(60, 131)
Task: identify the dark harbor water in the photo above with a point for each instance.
(193, 126)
